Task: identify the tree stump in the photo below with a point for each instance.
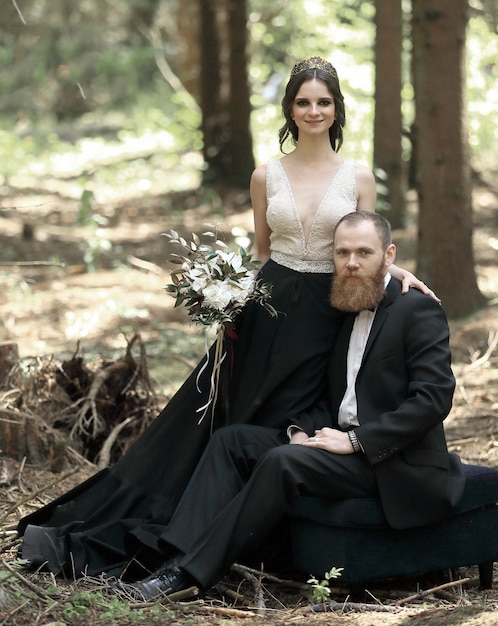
(29, 437)
(25, 435)
(9, 357)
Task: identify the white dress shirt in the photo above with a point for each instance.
(348, 410)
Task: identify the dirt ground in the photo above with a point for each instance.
(51, 304)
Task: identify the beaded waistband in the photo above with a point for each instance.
(301, 265)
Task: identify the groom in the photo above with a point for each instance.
(378, 431)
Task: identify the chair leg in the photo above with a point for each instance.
(357, 592)
(486, 575)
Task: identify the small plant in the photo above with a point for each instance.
(96, 243)
(321, 589)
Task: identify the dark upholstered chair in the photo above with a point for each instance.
(353, 534)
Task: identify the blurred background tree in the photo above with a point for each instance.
(443, 171)
(388, 161)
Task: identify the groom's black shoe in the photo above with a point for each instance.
(164, 581)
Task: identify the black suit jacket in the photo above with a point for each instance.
(404, 392)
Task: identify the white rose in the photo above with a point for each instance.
(217, 294)
(199, 284)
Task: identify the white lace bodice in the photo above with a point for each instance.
(288, 243)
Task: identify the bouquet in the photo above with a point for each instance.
(215, 284)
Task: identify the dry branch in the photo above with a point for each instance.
(492, 343)
(88, 421)
(35, 494)
(146, 265)
(31, 586)
(21, 16)
(345, 607)
(240, 569)
(235, 596)
(227, 612)
(104, 458)
(256, 582)
(423, 594)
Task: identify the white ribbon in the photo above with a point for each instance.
(219, 357)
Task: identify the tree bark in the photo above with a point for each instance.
(9, 356)
(445, 258)
(388, 161)
(240, 149)
(224, 93)
(28, 437)
(189, 57)
(24, 435)
(211, 91)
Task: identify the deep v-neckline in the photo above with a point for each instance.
(306, 241)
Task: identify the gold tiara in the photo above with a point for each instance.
(313, 63)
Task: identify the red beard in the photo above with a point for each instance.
(354, 292)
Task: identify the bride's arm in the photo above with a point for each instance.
(410, 280)
(261, 244)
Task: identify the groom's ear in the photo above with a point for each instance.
(390, 255)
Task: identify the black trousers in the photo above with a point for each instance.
(243, 486)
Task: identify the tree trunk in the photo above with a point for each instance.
(9, 357)
(388, 162)
(445, 258)
(224, 93)
(189, 58)
(28, 437)
(23, 435)
(211, 91)
(240, 151)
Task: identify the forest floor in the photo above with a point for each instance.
(85, 289)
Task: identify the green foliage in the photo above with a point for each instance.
(321, 589)
(85, 604)
(482, 87)
(86, 214)
(73, 57)
(96, 243)
(15, 564)
(122, 72)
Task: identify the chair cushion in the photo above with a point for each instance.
(481, 490)
(353, 534)
(368, 554)
(481, 487)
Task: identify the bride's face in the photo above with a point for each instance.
(313, 109)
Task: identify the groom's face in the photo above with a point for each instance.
(361, 264)
(358, 251)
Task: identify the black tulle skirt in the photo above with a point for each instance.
(274, 370)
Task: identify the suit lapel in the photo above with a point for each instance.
(338, 364)
(392, 291)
